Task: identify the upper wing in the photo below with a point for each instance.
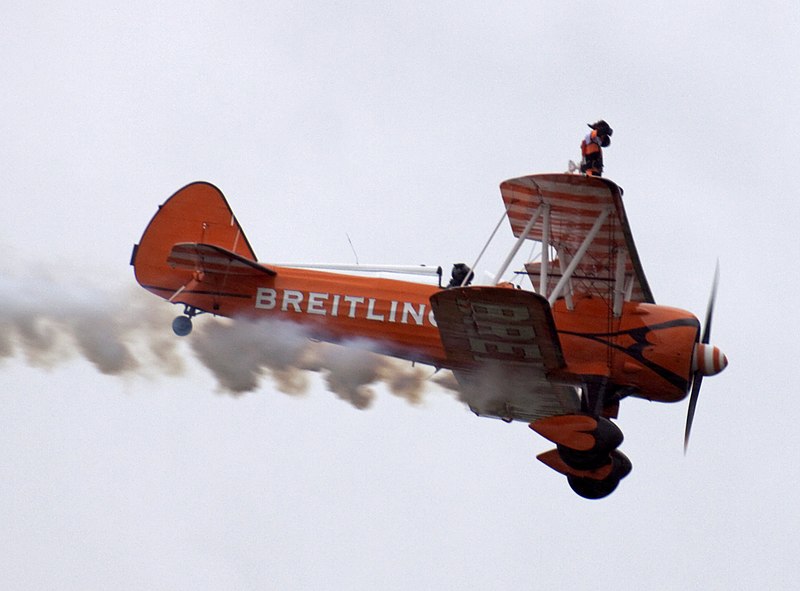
(580, 217)
(504, 351)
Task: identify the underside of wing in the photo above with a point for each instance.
(504, 351)
(588, 248)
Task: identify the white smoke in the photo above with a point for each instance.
(240, 353)
(49, 321)
(126, 332)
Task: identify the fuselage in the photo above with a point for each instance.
(647, 350)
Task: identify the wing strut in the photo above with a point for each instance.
(543, 277)
(564, 260)
(485, 246)
(587, 242)
(522, 237)
(620, 289)
(543, 212)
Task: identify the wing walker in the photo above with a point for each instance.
(559, 356)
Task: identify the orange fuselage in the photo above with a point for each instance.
(648, 349)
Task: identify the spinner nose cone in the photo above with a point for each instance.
(708, 360)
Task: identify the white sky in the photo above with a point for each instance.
(395, 125)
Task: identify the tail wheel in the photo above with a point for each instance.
(182, 326)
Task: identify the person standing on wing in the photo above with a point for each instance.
(592, 148)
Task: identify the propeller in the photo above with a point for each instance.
(707, 360)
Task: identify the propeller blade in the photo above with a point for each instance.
(698, 380)
(710, 308)
(698, 376)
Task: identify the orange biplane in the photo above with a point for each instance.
(560, 357)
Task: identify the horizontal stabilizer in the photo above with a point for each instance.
(210, 259)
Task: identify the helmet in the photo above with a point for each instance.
(602, 128)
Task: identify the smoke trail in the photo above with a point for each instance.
(240, 353)
(126, 332)
(49, 321)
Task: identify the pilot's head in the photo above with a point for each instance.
(604, 132)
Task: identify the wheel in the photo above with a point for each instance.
(597, 489)
(592, 489)
(182, 326)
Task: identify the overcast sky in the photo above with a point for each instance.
(394, 125)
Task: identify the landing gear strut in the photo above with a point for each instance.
(182, 325)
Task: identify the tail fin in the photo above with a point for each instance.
(198, 213)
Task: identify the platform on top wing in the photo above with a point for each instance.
(568, 207)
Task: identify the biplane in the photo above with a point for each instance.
(560, 356)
